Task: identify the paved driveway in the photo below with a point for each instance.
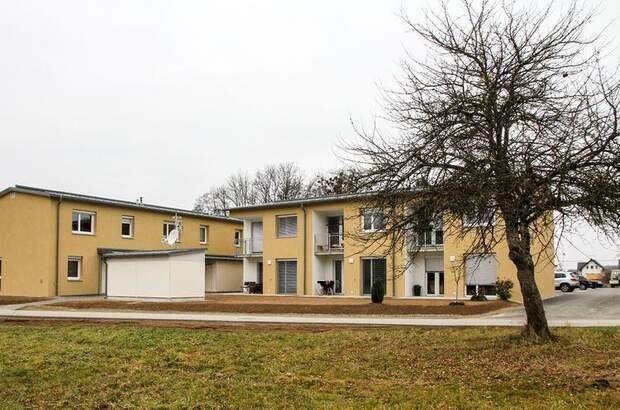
(602, 303)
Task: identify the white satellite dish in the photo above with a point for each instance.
(173, 237)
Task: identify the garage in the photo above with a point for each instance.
(223, 274)
(168, 274)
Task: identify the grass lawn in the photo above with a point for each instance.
(52, 365)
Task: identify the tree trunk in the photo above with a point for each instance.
(520, 254)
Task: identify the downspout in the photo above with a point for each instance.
(393, 271)
(105, 262)
(57, 280)
(303, 208)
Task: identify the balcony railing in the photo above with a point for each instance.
(430, 240)
(250, 246)
(329, 243)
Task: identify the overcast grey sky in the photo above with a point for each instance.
(163, 99)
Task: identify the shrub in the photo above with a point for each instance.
(378, 291)
(504, 288)
(417, 290)
(478, 297)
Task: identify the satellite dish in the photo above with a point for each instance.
(173, 237)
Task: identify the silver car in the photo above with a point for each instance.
(566, 282)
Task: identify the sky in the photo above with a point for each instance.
(164, 99)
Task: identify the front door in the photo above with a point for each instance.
(259, 272)
(434, 283)
(338, 276)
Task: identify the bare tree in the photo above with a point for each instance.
(214, 202)
(290, 183)
(337, 182)
(272, 183)
(510, 122)
(240, 190)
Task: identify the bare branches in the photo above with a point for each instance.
(510, 117)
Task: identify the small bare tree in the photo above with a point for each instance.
(510, 122)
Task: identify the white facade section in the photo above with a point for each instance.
(160, 276)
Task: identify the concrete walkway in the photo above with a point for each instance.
(301, 319)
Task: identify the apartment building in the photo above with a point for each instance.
(296, 247)
(57, 243)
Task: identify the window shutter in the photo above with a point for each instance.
(481, 270)
(287, 277)
(287, 226)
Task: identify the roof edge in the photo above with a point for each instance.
(111, 202)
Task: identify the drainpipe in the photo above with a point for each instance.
(393, 270)
(57, 280)
(105, 262)
(303, 208)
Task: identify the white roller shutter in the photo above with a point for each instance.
(480, 270)
(287, 277)
(287, 226)
(434, 264)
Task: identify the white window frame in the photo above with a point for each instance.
(206, 230)
(279, 218)
(373, 212)
(131, 223)
(77, 259)
(237, 238)
(93, 216)
(168, 224)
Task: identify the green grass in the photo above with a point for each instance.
(123, 365)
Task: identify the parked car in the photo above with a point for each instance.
(566, 282)
(584, 283)
(597, 284)
(614, 279)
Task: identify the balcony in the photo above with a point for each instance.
(429, 241)
(250, 247)
(329, 244)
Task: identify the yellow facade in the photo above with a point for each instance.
(302, 248)
(30, 241)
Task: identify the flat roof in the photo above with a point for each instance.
(123, 253)
(119, 253)
(109, 201)
(304, 201)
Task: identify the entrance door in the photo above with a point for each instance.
(338, 276)
(434, 283)
(259, 272)
(373, 270)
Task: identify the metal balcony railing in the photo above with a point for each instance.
(250, 246)
(329, 243)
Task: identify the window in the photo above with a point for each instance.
(373, 270)
(74, 268)
(237, 239)
(373, 220)
(127, 226)
(480, 274)
(287, 277)
(83, 222)
(482, 218)
(204, 234)
(169, 227)
(287, 226)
